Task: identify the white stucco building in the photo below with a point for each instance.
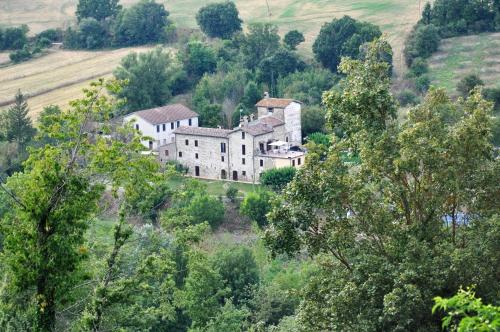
(159, 123)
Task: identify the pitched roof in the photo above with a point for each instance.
(275, 102)
(164, 114)
(256, 129)
(271, 121)
(202, 131)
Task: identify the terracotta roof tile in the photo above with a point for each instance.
(275, 102)
(271, 121)
(202, 131)
(168, 113)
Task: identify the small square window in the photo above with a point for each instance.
(158, 128)
(180, 154)
(137, 126)
(196, 156)
(164, 127)
(222, 158)
(195, 142)
(171, 125)
(166, 153)
(261, 163)
(187, 142)
(244, 173)
(178, 124)
(243, 161)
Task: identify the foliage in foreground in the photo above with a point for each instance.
(395, 230)
(466, 313)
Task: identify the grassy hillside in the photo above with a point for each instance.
(395, 17)
(459, 56)
(58, 77)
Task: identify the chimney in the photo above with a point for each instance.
(252, 116)
(266, 95)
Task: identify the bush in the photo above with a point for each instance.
(418, 68)
(14, 38)
(421, 43)
(407, 97)
(205, 208)
(293, 38)
(219, 20)
(468, 83)
(422, 83)
(319, 138)
(53, 35)
(232, 193)
(256, 205)
(277, 178)
(20, 55)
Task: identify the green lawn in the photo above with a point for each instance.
(459, 56)
(217, 187)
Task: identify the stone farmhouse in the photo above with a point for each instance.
(272, 139)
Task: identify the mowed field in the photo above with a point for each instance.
(59, 76)
(460, 56)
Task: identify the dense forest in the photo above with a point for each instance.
(392, 224)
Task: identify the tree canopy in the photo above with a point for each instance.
(391, 231)
(342, 37)
(219, 19)
(97, 9)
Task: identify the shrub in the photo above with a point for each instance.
(418, 67)
(256, 205)
(319, 138)
(205, 208)
(422, 83)
(422, 42)
(407, 97)
(293, 38)
(277, 178)
(20, 55)
(232, 193)
(468, 83)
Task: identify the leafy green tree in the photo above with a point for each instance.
(198, 59)
(14, 38)
(277, 178)
(251, 95)
(391, 232)
(308, 85)
(426, 14)
(293, 38)
(90, 34)
(282, 63)
(52, 201)
(468, 313)
(418, 68)
(148, 83)
(18, 126)
(342, 37)
(203, 293)
(219, 20)
(468, 83)
(230, 319)
(369, 102)
(206, 208)
(270, 304)
(261, 42)
(313, 120)
(97, 9)
(256, 205)
(143, 23)
(238, 270)
(421, 43)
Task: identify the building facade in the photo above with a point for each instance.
(159, 124)
(272, 140)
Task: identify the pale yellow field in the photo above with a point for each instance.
(58, 77)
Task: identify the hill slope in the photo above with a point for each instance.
(459, 56)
